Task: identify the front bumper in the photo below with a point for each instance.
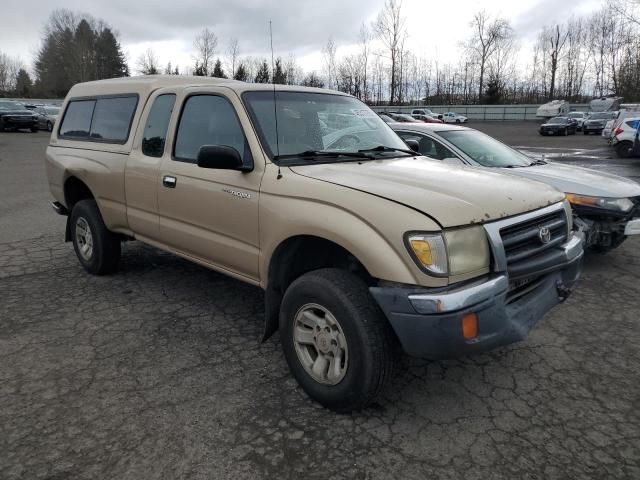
(428, 323)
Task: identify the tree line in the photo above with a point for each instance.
(592, 55)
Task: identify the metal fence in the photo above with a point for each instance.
(31, 101)
(482, 112)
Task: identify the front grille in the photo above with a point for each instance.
(527, 251)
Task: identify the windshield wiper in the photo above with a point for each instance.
(538, 162)
(383, 148)
(313, 154)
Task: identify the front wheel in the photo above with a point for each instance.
(337, 342)
(566, 132)
(49, 127)
(585, 132)
(97, 249)
(34, 129)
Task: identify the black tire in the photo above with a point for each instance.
(372, 345)
(624, 149)
(585, 132)
(34, 129)
(1, 125)
(565, 132)
(105, 252)
(49, 127)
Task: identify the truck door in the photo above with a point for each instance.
(143, 165)
(212, 214)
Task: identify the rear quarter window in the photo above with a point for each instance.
(77, 119)
(102, 119)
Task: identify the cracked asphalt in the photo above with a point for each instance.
(156, 373)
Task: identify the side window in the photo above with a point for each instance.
(155, 132)
(428, 146)
(77, 119)
(633, 124)
(208, 120)
(112, 119)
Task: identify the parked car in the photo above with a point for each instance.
(555, 108)
(596, 122)
(627, 111)
(559, 126)
(357, 242)
(579, 118)
(401, 117)
(453, 117)
(606, 207)
(426, 118)
(426, 111)
(386, 118)
(625, 138)
(14, 116)
(47, 116)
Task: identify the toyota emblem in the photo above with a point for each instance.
(544, 234)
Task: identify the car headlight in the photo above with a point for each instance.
(608, 203)
(454, 252)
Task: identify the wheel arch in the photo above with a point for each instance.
(74, 191)
(297, 255)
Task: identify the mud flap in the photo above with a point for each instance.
(272, 301)
(67, 230)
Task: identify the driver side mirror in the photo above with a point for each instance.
(413, 145)
(220, 157)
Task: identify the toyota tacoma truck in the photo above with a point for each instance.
(359, 244)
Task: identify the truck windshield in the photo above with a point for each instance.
(485, 150)
(318, 122)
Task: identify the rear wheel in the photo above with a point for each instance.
(97, 249)
(337, 342)
(49, 127)
(34, 129)
(624, 149)
(565, 132)
(585, 132)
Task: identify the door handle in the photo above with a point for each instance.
(169, 181)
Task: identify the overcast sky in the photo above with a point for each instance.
(301, 27)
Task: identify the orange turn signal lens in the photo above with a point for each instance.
(470, 326)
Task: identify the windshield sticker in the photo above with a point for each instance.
(363, 112)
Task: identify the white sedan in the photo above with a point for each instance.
(453, 117)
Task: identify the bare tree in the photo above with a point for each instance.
(205, 44)
(330, 63)
(147, 63)
(233, 52)
(556, 38)
(390, 29)
(488, 34)
(9, 68)
(364, 38)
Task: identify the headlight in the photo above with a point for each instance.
(455, 252)
(617, 204)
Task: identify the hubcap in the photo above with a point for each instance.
(84, 239)
(320, 344)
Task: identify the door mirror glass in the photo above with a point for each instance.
(220, 157)
(413, 144)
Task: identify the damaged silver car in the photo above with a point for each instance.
(606, 207)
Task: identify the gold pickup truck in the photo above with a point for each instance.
(360, 245)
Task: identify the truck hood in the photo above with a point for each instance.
(582, 181)
(451, 195)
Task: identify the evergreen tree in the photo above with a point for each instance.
(493, 93)
(218, 72)
(199, 71)
(241, 73)
(263, 73)
(312, 80)
(110, 60)
(279, 76)
(23, 84)
(76, 50)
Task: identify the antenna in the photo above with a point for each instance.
(275, 110)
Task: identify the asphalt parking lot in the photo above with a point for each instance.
(156, 372)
